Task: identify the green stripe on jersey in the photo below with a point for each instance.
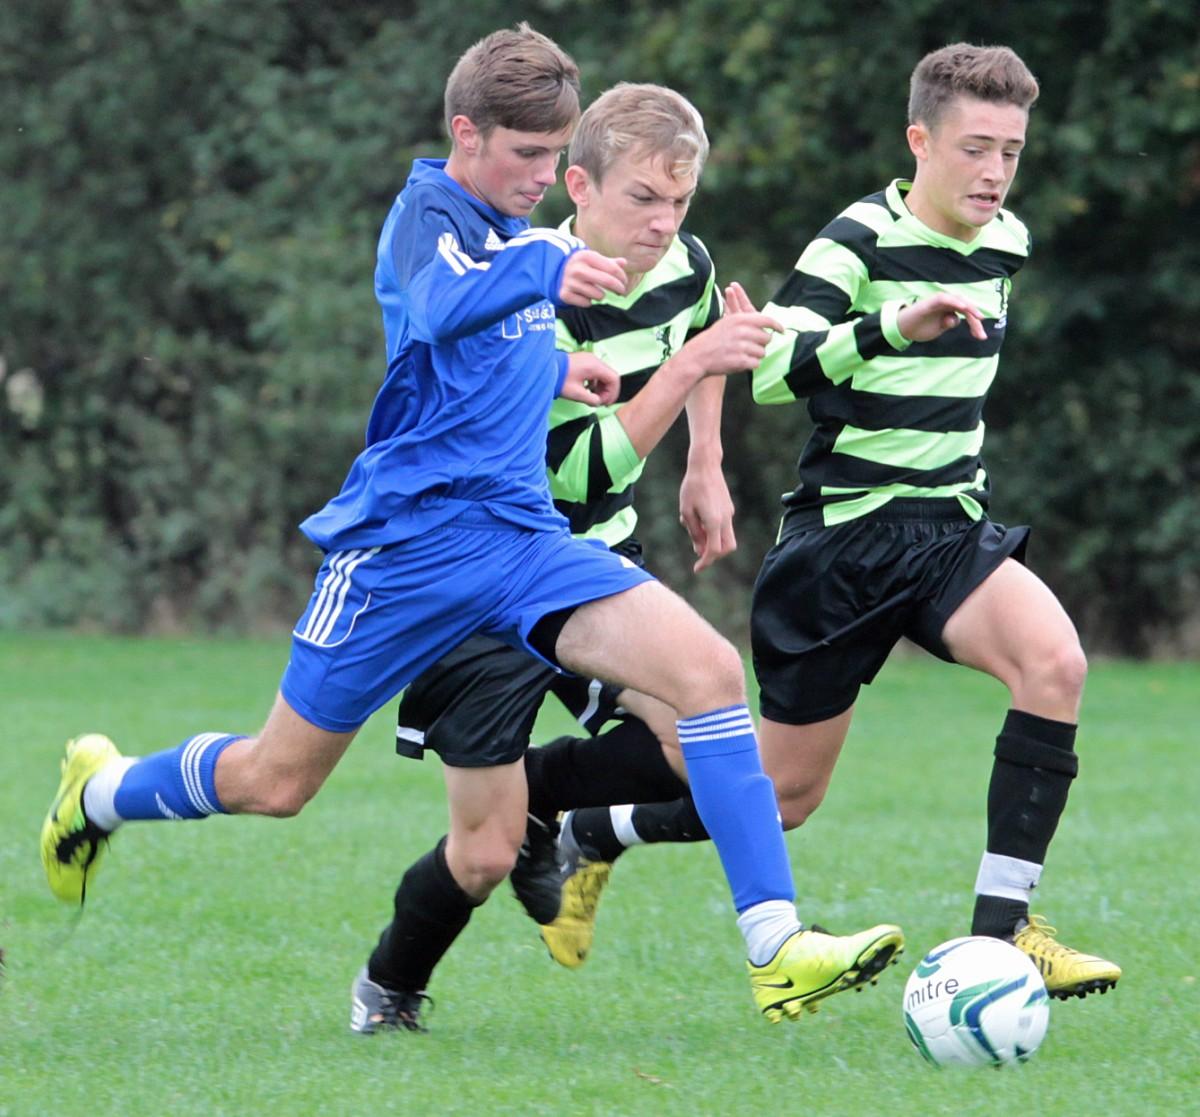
(832, 262)
(909, 449)
(842, 511)
(953, 377)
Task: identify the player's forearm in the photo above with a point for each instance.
(801, 362)
(649, 415)
(704, 406)
(454, 297)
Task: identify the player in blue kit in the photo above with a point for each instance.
(444, 527)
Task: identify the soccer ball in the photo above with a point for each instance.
(976, 1001)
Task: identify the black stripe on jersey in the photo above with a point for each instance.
(657, 307)
(924, 263)
(699, 260)
(583, 517)
(868, 336)
(599, 480)
(563, 438)
(816, 294)
(874, 411)
(634, 382)
(854, 236)
(846, 471)
(598, 323)
(958, 342)
(805, 375)
(560, 439)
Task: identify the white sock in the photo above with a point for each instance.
(766, 927)
(1009, 877)
(622, 824)
(101, 789)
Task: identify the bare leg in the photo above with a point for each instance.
(487, 824)
(650, 639)
(282, 768)
(1013, 628)
(800, 760)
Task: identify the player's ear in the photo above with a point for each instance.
(578, 183)
(467, 138)
(918, 140)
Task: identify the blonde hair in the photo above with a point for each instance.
(641, 119)
(994, 74)
(516, 79)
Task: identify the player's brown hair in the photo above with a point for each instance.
(516, 79)
(994, 74)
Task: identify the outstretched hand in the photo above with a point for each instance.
(738, 340)
(589, 380)
(588, 275)
(737, 301)
(931, 317)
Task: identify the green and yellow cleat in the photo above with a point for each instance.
(1066, 972)
(812, 965)
(71, 845)
(569, 937)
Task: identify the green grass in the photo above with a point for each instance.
(211, 969)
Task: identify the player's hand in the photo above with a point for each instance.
(737, 301)
(738, 340)
(588, 275)
(931, 317)
(706, 511)
(589, 380)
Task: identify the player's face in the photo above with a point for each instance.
(634, 213)
(509, 170)
(965, 165)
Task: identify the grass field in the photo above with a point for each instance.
(210, 971)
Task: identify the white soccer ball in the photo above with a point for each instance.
(976, 1001)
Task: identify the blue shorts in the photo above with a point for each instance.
(380, 616)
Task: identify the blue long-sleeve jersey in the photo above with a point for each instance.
(461, 417)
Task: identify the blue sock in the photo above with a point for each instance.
(737, 804)
(176, 783)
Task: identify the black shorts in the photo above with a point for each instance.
(830, 603)
(476, 706)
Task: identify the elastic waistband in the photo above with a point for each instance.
(897, 510)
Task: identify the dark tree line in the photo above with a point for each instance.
(191, 192)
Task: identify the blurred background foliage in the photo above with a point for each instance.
(191, 192)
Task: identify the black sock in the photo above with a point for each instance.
(677, 821)
(998, 916)
(592, 829)
(430, 912)
(1031, 776)
(1034, 765)
(623, 765)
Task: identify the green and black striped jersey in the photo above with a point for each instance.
(591, 462)
(892, 418)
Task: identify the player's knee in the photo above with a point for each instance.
(484, 868)
(285, 798)
(797, 804)
(1063, 670)
(710, 676)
